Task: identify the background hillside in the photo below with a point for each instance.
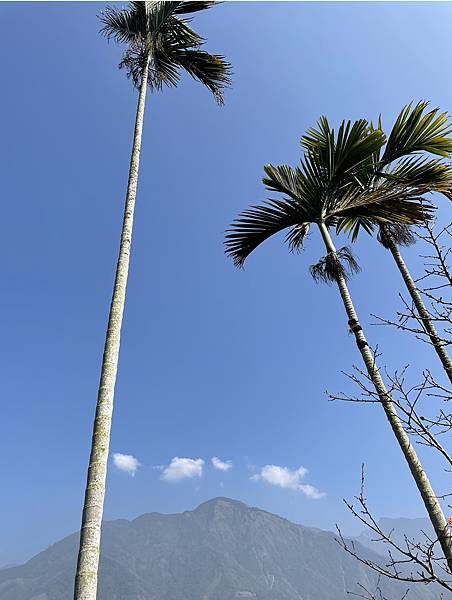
(223, 550)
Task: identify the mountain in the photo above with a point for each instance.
(222, 550)
(414, 529)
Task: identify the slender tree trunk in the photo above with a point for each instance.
(423, 484)
(427, 322)
(88, 556)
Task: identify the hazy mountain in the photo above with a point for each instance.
(414, 529)
(223, 550)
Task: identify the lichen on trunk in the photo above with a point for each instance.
(424, 486)
(421, 309)
(88, 557)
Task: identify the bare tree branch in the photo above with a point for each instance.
(410, 562)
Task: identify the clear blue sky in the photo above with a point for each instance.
(214, 362)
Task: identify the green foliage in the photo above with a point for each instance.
(400, 234)
(351, 180)
(155, 34)
(417, 131)
(403, 162)
(258, 223)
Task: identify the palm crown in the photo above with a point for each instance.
(157, 34)
(354, 179)
(402, 159)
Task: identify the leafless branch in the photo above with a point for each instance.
(409, 561)
(434, 285)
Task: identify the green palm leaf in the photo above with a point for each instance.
(123, 26)
(191, 7)
(258, 223)
(415, 131)
(352, 146)
(342, 182)
(399, 183)
(155, 34)
(206, 68)
(420, 171)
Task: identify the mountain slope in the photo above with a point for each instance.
(415, 530)
(223, 550)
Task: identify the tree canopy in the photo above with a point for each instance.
(355, 178)
(160, 33)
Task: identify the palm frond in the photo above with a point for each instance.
(397, 197)
(258, 223)
(210, 69)
(392, 202)
(191, 7)
(415, 131)
(178, 36)
(281, 179)
(316, 137)
(354, 144)
(124, 26)
(157, 15)
(303, 184)
(154, 31)
(331, 267)
(419, 171)
(163, 71)
(344, 182)
(133, 61)
(392, 193)
(296, 236)
(400, 234)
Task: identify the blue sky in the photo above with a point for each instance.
(214, 361)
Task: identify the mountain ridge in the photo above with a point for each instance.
(221, 550)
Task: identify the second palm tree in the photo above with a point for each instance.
(322, 192)
(414, 134)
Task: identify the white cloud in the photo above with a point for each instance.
(221, 465)
(310, 491)
(182, 468)
(126, 462)
(288, 479)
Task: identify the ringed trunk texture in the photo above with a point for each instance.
(427, 323)
(88, 557)
(428, 496)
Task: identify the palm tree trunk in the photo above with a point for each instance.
(427, 323)
(423, 484)
(88, 556)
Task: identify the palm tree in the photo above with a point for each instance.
(159, 45)
(414, 134)
(321, 191)
(392, 238)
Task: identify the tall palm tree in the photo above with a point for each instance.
(392, 238)
(412, 133)
(415, 133)
(159, 45)
(321, 192)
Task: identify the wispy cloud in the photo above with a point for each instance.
(284, 477)
(221, 465)
(126, 462)
(182, 468)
